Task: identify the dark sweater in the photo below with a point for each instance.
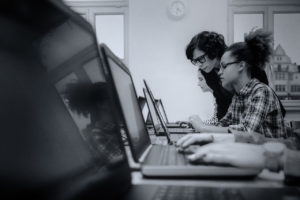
(222, 96)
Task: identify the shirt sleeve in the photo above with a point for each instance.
(257, 111)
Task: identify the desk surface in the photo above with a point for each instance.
(265, 179)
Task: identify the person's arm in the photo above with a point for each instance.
(272, 156)
(200, 126)
(213, 129)
(257, 138)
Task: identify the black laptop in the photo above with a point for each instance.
(156, 160)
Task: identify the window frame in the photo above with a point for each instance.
(93, 8)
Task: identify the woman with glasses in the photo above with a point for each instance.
(255, 106)
(205, 51)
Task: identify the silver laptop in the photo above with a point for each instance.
(156, 160)
(159, 124)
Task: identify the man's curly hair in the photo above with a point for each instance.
(211, 43)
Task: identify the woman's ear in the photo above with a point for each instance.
(242, 66)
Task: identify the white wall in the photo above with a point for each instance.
(157, 52)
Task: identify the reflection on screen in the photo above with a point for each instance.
(130, 107)
(70, 55)
(90, 108)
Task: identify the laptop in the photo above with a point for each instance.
(160, 107)
(145, 111)
(159, 125)
(156, 160)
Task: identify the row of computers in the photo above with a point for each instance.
(156, 160)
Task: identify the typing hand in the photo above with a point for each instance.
(189, 150)
(194, 138)
(203, 138)
(234, 154)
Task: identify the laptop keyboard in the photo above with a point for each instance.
(167, 155)
(176, 137)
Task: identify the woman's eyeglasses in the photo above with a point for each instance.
(198, 61)
(223, 66)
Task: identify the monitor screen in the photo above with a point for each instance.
(154, 117)
(132, 113)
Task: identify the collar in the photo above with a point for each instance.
(247, 89)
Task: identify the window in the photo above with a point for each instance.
(282, 18)
(295, 88)
(245, 22)
(280, 76)
(110, 30)
(110, 21)
(279, 66)
(280, 88)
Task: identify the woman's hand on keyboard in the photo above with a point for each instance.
(189, 150)
(203, 138)
(234, 154)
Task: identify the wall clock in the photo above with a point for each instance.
(177, 9)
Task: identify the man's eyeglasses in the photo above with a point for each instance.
(223, 66)
(200, 60)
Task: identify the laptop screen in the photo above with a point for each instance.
(72, 145)
(158, 113)
(162, 110)
(155, 120)
(132, 114)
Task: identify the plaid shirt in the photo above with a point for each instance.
(256, 108)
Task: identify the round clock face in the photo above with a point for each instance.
(177, 9)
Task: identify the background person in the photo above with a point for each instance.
(205, 51)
